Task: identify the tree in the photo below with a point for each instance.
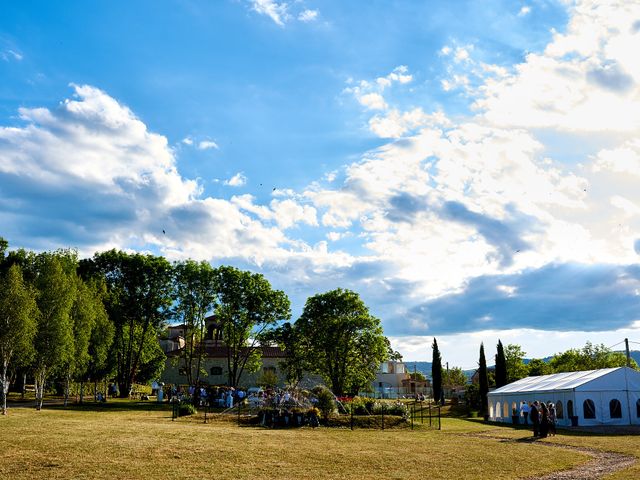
(195, 295)
(501, 366)
(483, 382)
(589, 357)
(287, 337)
(436, 372)
(342, 341)
(247, 307)
(537, 367)
(139, 296)
(18, 313)
(454, 377)
(54, 336)
(516, 368)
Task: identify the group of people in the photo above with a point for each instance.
(542, 415)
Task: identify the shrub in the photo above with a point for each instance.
(326, 403)
(186, 409)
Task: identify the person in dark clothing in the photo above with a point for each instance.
(544, 420)
(534, 415)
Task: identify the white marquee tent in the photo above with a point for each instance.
(610, 396)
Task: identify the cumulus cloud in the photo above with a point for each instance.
(308, 15)
(207, 145)
(238, 180)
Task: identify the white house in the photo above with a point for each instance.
(610, 396)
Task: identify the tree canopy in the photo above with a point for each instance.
(342, 341)
(501, 366)
(436, 371)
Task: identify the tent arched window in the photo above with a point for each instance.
(570, 408)
(615, 408)
(559, 410)
(498, 411)
(589, 408)
(638, 408)
(505, 411)
(216, 370)
(491, 410)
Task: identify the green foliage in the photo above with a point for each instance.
(268, 378)
(326, 401)
(18, 312)
(360, 405)
(390, 408)
(287, 337)
(514, 356)
(537, 367)
(501, 366)
(139, 295)
(194, 297)
(436, 372)
(454, 377)
(483, 384)
(247, 307)
(186, 409)
(418, 376)
(342, 341)
(589, 357)
(54, 341)
(472, 397)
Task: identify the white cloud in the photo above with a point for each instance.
(187, 141)
(238, 180)
(308, 15)
(207, 145)
(277, 11)
(524, 11)
(373, 101)
(8, 55)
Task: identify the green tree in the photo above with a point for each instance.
(436, 372)
(454, 377)
(54, 336)
(101, 364)
(18, 313)
(247, 308)
(501, 366)
(514, 358)
(342, 341)
(589, 357)
(139, 296)
(483, 382)
(287, 338)
(195, 295)
(537, 367)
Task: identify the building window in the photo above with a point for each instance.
(615, 409)
(559, 411)
(589, 408)
(216, 370)
(269, 370)
(384, 368)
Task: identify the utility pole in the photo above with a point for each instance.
(626, 347)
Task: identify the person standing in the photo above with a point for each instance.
(552, 419)
(524, 408)
(534, 413)
(544, 420)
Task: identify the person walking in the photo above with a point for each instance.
(534, 413)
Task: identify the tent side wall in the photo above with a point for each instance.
(559, 398)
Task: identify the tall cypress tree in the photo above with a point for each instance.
(501, 367)
(483, 383)
(436, 372)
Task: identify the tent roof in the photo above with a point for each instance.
(556, 381)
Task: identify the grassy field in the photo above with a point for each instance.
(114, 441)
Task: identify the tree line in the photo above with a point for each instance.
(81, 320)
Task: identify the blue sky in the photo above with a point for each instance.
(470, 168)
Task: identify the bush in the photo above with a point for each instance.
(186, 409)
(326, 403)
(395, 408)
(360, 406)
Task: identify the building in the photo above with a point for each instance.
(394, 381)
(214, 366)
(609, 396)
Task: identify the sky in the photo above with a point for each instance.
(469, 168)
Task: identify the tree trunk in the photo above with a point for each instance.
(4, 386)
(41, 377)
(24, 384)
(81, 392)
(67, 388)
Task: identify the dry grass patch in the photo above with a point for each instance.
(116, 443)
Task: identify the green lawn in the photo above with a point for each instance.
(115, 442)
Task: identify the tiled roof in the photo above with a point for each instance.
(220, 351)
